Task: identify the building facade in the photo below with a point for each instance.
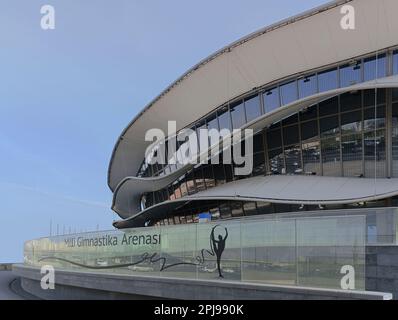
(321, 100)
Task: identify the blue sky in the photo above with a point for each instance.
(66, 95)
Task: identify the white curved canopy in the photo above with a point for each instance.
(288, 189)
(312, 40)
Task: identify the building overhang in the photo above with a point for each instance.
(300, 44)
(126, 197)
(283, 189)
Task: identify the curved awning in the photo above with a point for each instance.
(126, 198)
(286, 189)
(294, 46)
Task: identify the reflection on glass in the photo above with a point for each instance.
(327, 80)
(288, 93)
(351, 122)
(271, 99)
(375, 68)
(238, 115)
(253, 108)
(352, 155)
(293, 159)
(350, 74)
(307, 86)
(375, 154)
(311, 157)
(331, 157)
(329, 126)
(277, 162)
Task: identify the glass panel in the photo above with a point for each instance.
(375, 68)
(290, 135)
(309, 130)
(253, 108)
(352, 155)
(288, 93)
(238, 115)
(236, 208)
(331, 157)
(199, 181)
(190, 183)
(224, 118)
(327, 80)
(369, 97)
(225, 210)
(329, 107)
(350, 75)
(250, 208)
(293, 159)
(375, 154)
(309, 114)
(350, 101)
(219, 173)
(395, 140)
(268, 252)
(351, 122)
(290, 120)
(395, 62)
(375, 120)
(274, 139)
(307, 86)
(208, 175)
(311, 157)
(329, 126)
(271, 99)
(258, 164)
(277, 163)
(258, 143)
(212, 122)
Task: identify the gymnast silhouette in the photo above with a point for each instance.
(218, 247)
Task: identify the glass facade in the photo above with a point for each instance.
(302, 251)
(236, 114)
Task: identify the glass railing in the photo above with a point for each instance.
(317, 249)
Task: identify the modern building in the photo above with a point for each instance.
(322, 101)
(317, 215)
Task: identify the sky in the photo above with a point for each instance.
(66, 95)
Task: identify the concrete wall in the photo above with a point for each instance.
(90, 285)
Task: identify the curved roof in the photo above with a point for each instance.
(311, 40)
(288, 189)
(126, 198)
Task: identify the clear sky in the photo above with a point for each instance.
(66, 95)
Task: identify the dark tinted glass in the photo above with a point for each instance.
(309, 130)
(224, 119)
(310, 113)
(328, 107)
(290, 135)
(274, 139)
(329, 126)
(350, 101)
(351, 122)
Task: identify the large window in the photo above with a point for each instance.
(307, 86)
(271, 99)
(288, 92)
(253, 108)
(375, 67)
(350, 74)
(224, 118)
(238, 115)
(327, 80)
